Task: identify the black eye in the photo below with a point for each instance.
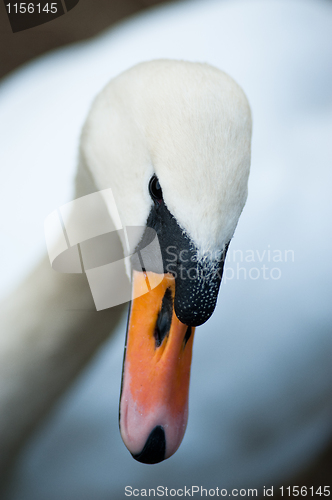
(155, 189)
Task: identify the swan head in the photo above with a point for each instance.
(172, 140)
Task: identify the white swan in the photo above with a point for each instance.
(272, 409)
(183, 130)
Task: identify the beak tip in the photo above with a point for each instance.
(154, 449)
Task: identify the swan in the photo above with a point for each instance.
(183, 129)
(271, 411)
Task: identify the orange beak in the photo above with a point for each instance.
(156, 371)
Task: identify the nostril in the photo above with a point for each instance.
(187, 335)
(164, 320)
(154, 448)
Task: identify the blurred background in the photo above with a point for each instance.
(89, 18)
(86, 20)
